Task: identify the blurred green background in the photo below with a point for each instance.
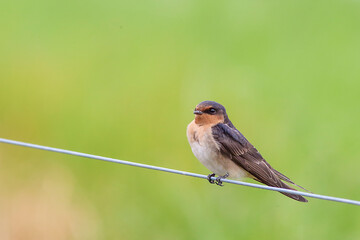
(121, 78)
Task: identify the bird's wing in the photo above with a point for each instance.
(236, 147)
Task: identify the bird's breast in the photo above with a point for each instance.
(205, 148)
(207, 151)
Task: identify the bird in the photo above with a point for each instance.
(222, 149)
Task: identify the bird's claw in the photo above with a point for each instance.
(209, 178)
(219, 182)
(218, 179)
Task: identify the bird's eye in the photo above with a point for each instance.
(212, 110)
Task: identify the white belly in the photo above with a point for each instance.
(205, 150)
(209, 158)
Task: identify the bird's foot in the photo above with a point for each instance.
(209, 178)
(218, 179)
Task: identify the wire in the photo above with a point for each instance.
(323, 197)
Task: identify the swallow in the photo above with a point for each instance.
(221, 148)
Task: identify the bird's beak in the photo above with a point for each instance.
(197, 112)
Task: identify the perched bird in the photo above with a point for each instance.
(221, 148)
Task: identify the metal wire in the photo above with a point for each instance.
(323, 197)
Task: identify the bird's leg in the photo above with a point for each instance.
(209, 178)
(218, 179)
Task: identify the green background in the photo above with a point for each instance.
(121, 78)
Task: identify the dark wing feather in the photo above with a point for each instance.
(235, 146)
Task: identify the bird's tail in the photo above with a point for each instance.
(286, 179)
(280, 184)
(293, 196)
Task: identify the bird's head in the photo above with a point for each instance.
(209, 112)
